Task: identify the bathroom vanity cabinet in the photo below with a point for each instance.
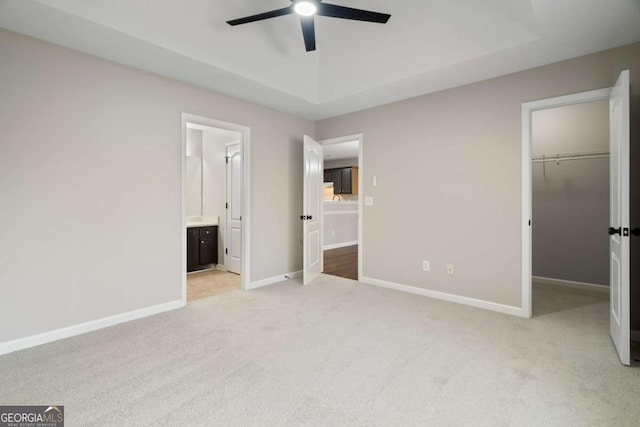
(202, 247)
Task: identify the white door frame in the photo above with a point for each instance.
(360, 138)
(527, 109)
(245, 145)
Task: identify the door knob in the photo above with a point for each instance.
(613, 231)
(635, 231)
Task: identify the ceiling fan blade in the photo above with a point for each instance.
(261, 16)
(325, 9)
(309, 32)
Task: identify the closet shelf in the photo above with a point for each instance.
(569, 156)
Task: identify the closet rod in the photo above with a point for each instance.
(569, 156)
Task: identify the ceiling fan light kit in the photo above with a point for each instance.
(307, 9)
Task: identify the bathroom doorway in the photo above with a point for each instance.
(215, 206)
(341, 210)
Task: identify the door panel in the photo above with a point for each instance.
(619, 213)
(615, 288)
(233, 253)
(208, 251)
(312, 210)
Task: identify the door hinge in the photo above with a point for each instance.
(226, 205)
(226, 159)
(240, 217)
(529, 223)
(226, 251)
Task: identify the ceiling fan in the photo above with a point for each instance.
(307, 8)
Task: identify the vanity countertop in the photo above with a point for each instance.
(201, 222)
(342, 202)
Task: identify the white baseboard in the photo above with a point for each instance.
(487, 305)
(571, 284)
(221, 267)
(339, 245)
(635, 336)
(70, 331)
(274, 279)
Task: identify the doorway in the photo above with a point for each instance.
(570, 209)
(215, 207)
(618, 306)
(341, 211)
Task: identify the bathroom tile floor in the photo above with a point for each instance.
(204, 284)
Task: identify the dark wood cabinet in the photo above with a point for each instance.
(202, 247)
(193, 248)
(345, 180)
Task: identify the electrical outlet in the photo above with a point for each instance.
(426, 266)
(450, 270)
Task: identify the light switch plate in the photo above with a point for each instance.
(368, 201)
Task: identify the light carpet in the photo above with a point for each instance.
(337, 353)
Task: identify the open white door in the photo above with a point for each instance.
(311, 212)
(619, 210)
(233, 250)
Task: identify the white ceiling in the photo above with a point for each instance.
(427, 45)
(342, 150)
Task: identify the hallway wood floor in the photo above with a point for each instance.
(342, 262)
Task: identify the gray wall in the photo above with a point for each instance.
(90, 176)
(342, 163)
(571, 198)
(448, 168)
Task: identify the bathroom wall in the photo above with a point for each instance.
(194, 173)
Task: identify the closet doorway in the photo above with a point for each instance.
(570, 211)
(618, 306)
(215, 197)
(570, 197)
